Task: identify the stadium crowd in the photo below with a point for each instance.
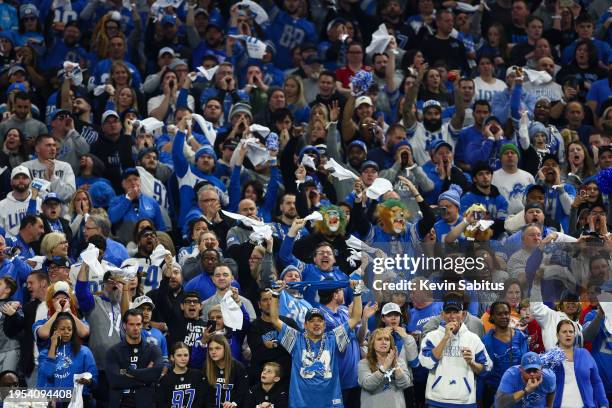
(195, 195)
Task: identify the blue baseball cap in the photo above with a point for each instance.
(531, 360)
(205, 150)
(314, 312)
(358, 143)
(438, 144)
(51, 197)
(168, 19)
(130, 171)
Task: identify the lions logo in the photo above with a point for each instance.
(311, 367)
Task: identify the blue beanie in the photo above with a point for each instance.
(290, 268)
(453, 194)
(398, 145)
(206, 149)
(537, 127)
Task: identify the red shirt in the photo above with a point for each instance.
(345, 74)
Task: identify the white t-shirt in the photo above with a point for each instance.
(484, 90)
(571, 393)
(551, 90)
(512, 187)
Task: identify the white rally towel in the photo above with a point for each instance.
(255, 47)
(356, 243)
(380, 40)
(207, 73)
(77, 396)
(90, 258)
(249, 222)
(152, 125)
(232, 315)
(339, 171)
(314, 216)
(261, 130)
(158, 255)
(207, 128)
(260, 14)
(537, 77)
(379, 187)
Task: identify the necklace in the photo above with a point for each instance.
(309, 351)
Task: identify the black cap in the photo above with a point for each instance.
(568, 296)
(59, 261)
(144, 152)
(368, 164)
(534, 204)
(192, 294)
(144, 231)
(481, 166)
(453, 304)
(312, 313)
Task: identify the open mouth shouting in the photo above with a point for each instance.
(399, 223)
(333, 220)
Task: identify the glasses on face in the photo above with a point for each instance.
(191, 302)
(323, 253)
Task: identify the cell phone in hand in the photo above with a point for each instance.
(211, 325)
(439, 211)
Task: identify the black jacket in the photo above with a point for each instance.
(144, 378)
(260, 354)
(116, 155)
(277, 396)
(20, 327)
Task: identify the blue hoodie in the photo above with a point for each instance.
(602, 350)
(59, 371)
(587, 376)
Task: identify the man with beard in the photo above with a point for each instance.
(422, 134)
(168, 296)
(384, 156)
(46, 166)
(484, 193)
(113, 148)
(559, 196)
(147, 241)
(323, 256)
(386, 79)
(67, 49)
(480, 111)
(16, 204)
(103, 312)
(391, 14)
(22, 120)
(315, 375)
(288, 214)
(212, 44)
(83, 117)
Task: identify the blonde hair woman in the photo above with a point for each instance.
(382, 375)
(54, 244)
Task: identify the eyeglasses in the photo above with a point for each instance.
(323, 253)
(191, 302)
